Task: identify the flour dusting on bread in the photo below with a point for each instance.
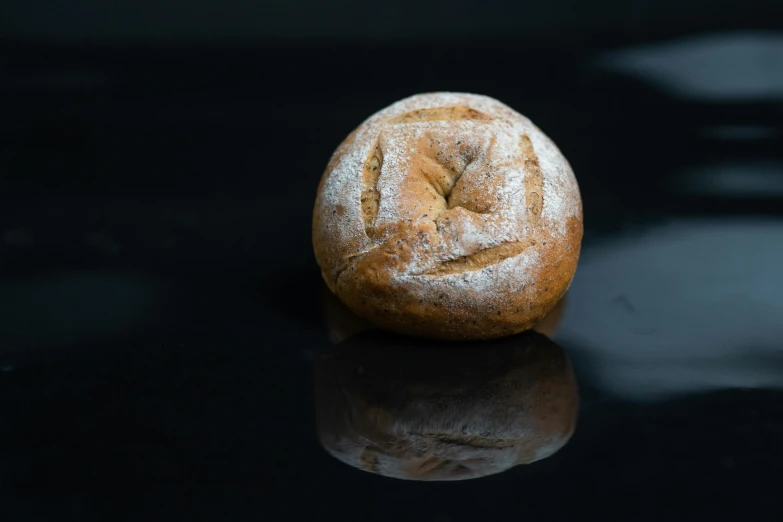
(443, 180)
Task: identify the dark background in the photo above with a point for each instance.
(280, 21)
(160, 306)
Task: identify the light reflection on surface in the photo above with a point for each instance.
(756, 179)
(716, 67)
(688, 307)
(740, 132)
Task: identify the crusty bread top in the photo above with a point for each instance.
(470, 190)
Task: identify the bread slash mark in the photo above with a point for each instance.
(453, 113)
(534, 180)
(371, 198)
(481, 259)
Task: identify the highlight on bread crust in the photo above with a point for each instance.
(449, 216)
(424, 410)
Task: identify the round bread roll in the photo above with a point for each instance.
(409, 409)
(448, 216)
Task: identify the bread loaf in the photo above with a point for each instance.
(448, 216)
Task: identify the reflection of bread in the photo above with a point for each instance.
(415, 410)
(342, 323)
(448, 216)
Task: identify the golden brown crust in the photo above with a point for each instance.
(448, 216)
(420, 410)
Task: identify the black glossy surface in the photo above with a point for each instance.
(160, 307)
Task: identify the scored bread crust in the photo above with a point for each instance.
(448, 215)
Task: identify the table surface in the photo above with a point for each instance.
(161, 310)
